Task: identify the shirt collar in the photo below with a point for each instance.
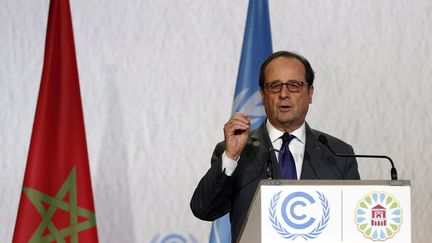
(275, 134)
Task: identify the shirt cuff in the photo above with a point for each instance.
(228, 164)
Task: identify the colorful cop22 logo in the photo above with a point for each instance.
(303, 215)
(378, 216)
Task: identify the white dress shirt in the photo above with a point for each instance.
(296, 146)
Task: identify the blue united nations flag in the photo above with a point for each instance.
(257, 46)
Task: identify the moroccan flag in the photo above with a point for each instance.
(57, 201)
(257, 46)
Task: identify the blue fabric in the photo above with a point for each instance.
(221, 230)
(257, 46)
(286, 159)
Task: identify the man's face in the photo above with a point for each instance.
(286, 110)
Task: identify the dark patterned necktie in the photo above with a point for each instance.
(286, 159)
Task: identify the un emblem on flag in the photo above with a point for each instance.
(174, 238)
(299, 214)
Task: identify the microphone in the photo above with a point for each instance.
(269, 168)
(393, 171)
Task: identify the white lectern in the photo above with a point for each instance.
(350, 211)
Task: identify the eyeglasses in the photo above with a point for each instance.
(293, 86)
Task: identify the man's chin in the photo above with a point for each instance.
(289, 122)
(285, 119)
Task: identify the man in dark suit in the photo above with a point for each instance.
(245, 157)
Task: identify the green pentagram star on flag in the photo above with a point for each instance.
(57, 203)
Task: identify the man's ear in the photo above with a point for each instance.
(262, 93)
(310, 93)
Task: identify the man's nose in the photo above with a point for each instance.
(284, 93)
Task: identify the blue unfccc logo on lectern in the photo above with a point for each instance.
(303, 215)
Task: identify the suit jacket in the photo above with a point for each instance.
(218, 194)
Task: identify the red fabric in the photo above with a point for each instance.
(58, 142)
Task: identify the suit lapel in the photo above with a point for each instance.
(261, 140)
(312, 156)
(252, 163)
